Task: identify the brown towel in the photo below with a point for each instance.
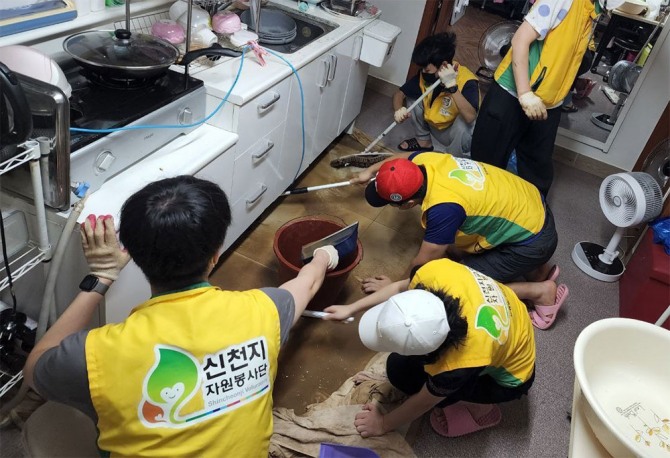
(332, 420)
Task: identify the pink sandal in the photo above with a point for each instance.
(543, 316)
(456, 420)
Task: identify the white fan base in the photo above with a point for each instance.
(585, 255)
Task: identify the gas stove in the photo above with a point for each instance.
(165, 104)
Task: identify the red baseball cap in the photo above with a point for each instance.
(397, 181)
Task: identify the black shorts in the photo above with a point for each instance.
(506, 263)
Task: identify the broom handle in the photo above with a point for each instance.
(315, 314)
(316, 188)
(393, 124)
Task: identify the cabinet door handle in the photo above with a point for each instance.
(333, 66)
(258, 195)
(264, 106)
(326, 70)
(261, 154)
(358, 47)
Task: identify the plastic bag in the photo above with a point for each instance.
(661, 229)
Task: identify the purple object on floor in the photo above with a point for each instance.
(345, 451)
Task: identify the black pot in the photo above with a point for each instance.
(120, 54)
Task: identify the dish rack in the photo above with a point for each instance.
(143, 24)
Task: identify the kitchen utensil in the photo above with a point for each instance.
(276, 26)
(17, 122)
(316, 188)
(322, 315)
(226, 23)
(344, 241)
(120, 54)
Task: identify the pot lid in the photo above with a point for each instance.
(120, 48)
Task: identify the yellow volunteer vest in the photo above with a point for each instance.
(442, 112)
(559, 55)
(500, 334)
(187, 374)
(500, 207)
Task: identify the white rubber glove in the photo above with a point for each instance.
(101, 248)
(447, 75)
(334, 258)
(400, 114)
(533, 106)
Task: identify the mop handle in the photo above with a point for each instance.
(316, 188)
(393, 124)
(314, 314)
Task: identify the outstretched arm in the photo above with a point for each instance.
(309, 280)
(105, 260)
(342, 312)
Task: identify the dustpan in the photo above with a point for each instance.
(345, 451)
(344, 240)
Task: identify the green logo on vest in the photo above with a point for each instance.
(469, 173)
(495, 320)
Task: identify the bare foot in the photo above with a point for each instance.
(545, 293)
(372, 284)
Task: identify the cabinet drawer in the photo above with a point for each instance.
(260, 161)
(260, 192)
(262, 114)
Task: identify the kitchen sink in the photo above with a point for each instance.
(308, 28)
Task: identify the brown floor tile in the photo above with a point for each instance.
(321, 355)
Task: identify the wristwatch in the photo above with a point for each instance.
(93, 283)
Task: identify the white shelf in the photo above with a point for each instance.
(21, 263)
(91, 20)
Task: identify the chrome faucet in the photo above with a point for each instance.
(255, 10)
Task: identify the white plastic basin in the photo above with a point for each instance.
(623, 369)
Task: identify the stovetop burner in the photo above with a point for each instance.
(103, 103)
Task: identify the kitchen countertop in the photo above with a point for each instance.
(254, 78)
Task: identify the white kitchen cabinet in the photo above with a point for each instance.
(333, 86)
(257, 181)
(358, 76)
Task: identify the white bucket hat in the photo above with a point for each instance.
(410, 323)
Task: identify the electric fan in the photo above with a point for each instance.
(493, 45)
(627, 199)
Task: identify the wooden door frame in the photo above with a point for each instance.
(435, 19)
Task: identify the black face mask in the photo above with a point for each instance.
(429, 78)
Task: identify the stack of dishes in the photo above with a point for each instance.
(277, 28)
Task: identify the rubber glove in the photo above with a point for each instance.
(533, 106)
(101, 248)
(400, 114)
(447, 75)
(333, 257)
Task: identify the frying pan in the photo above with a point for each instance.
(121, 54)
(16, 122)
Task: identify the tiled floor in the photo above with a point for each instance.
(321, 355)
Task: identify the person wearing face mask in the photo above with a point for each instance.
(449, 113)
(522, 108)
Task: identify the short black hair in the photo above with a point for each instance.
(173, 227)
(435, 50)
(458, 325)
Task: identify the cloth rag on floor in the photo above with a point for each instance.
(332, 420)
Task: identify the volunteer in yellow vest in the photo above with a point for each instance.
(449, 112)
(460, 341)
(522, 109)
(489, 219)
(190, 372)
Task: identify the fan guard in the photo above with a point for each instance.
(493, 44)
(626, 199)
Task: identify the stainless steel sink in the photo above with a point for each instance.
(308, 28)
